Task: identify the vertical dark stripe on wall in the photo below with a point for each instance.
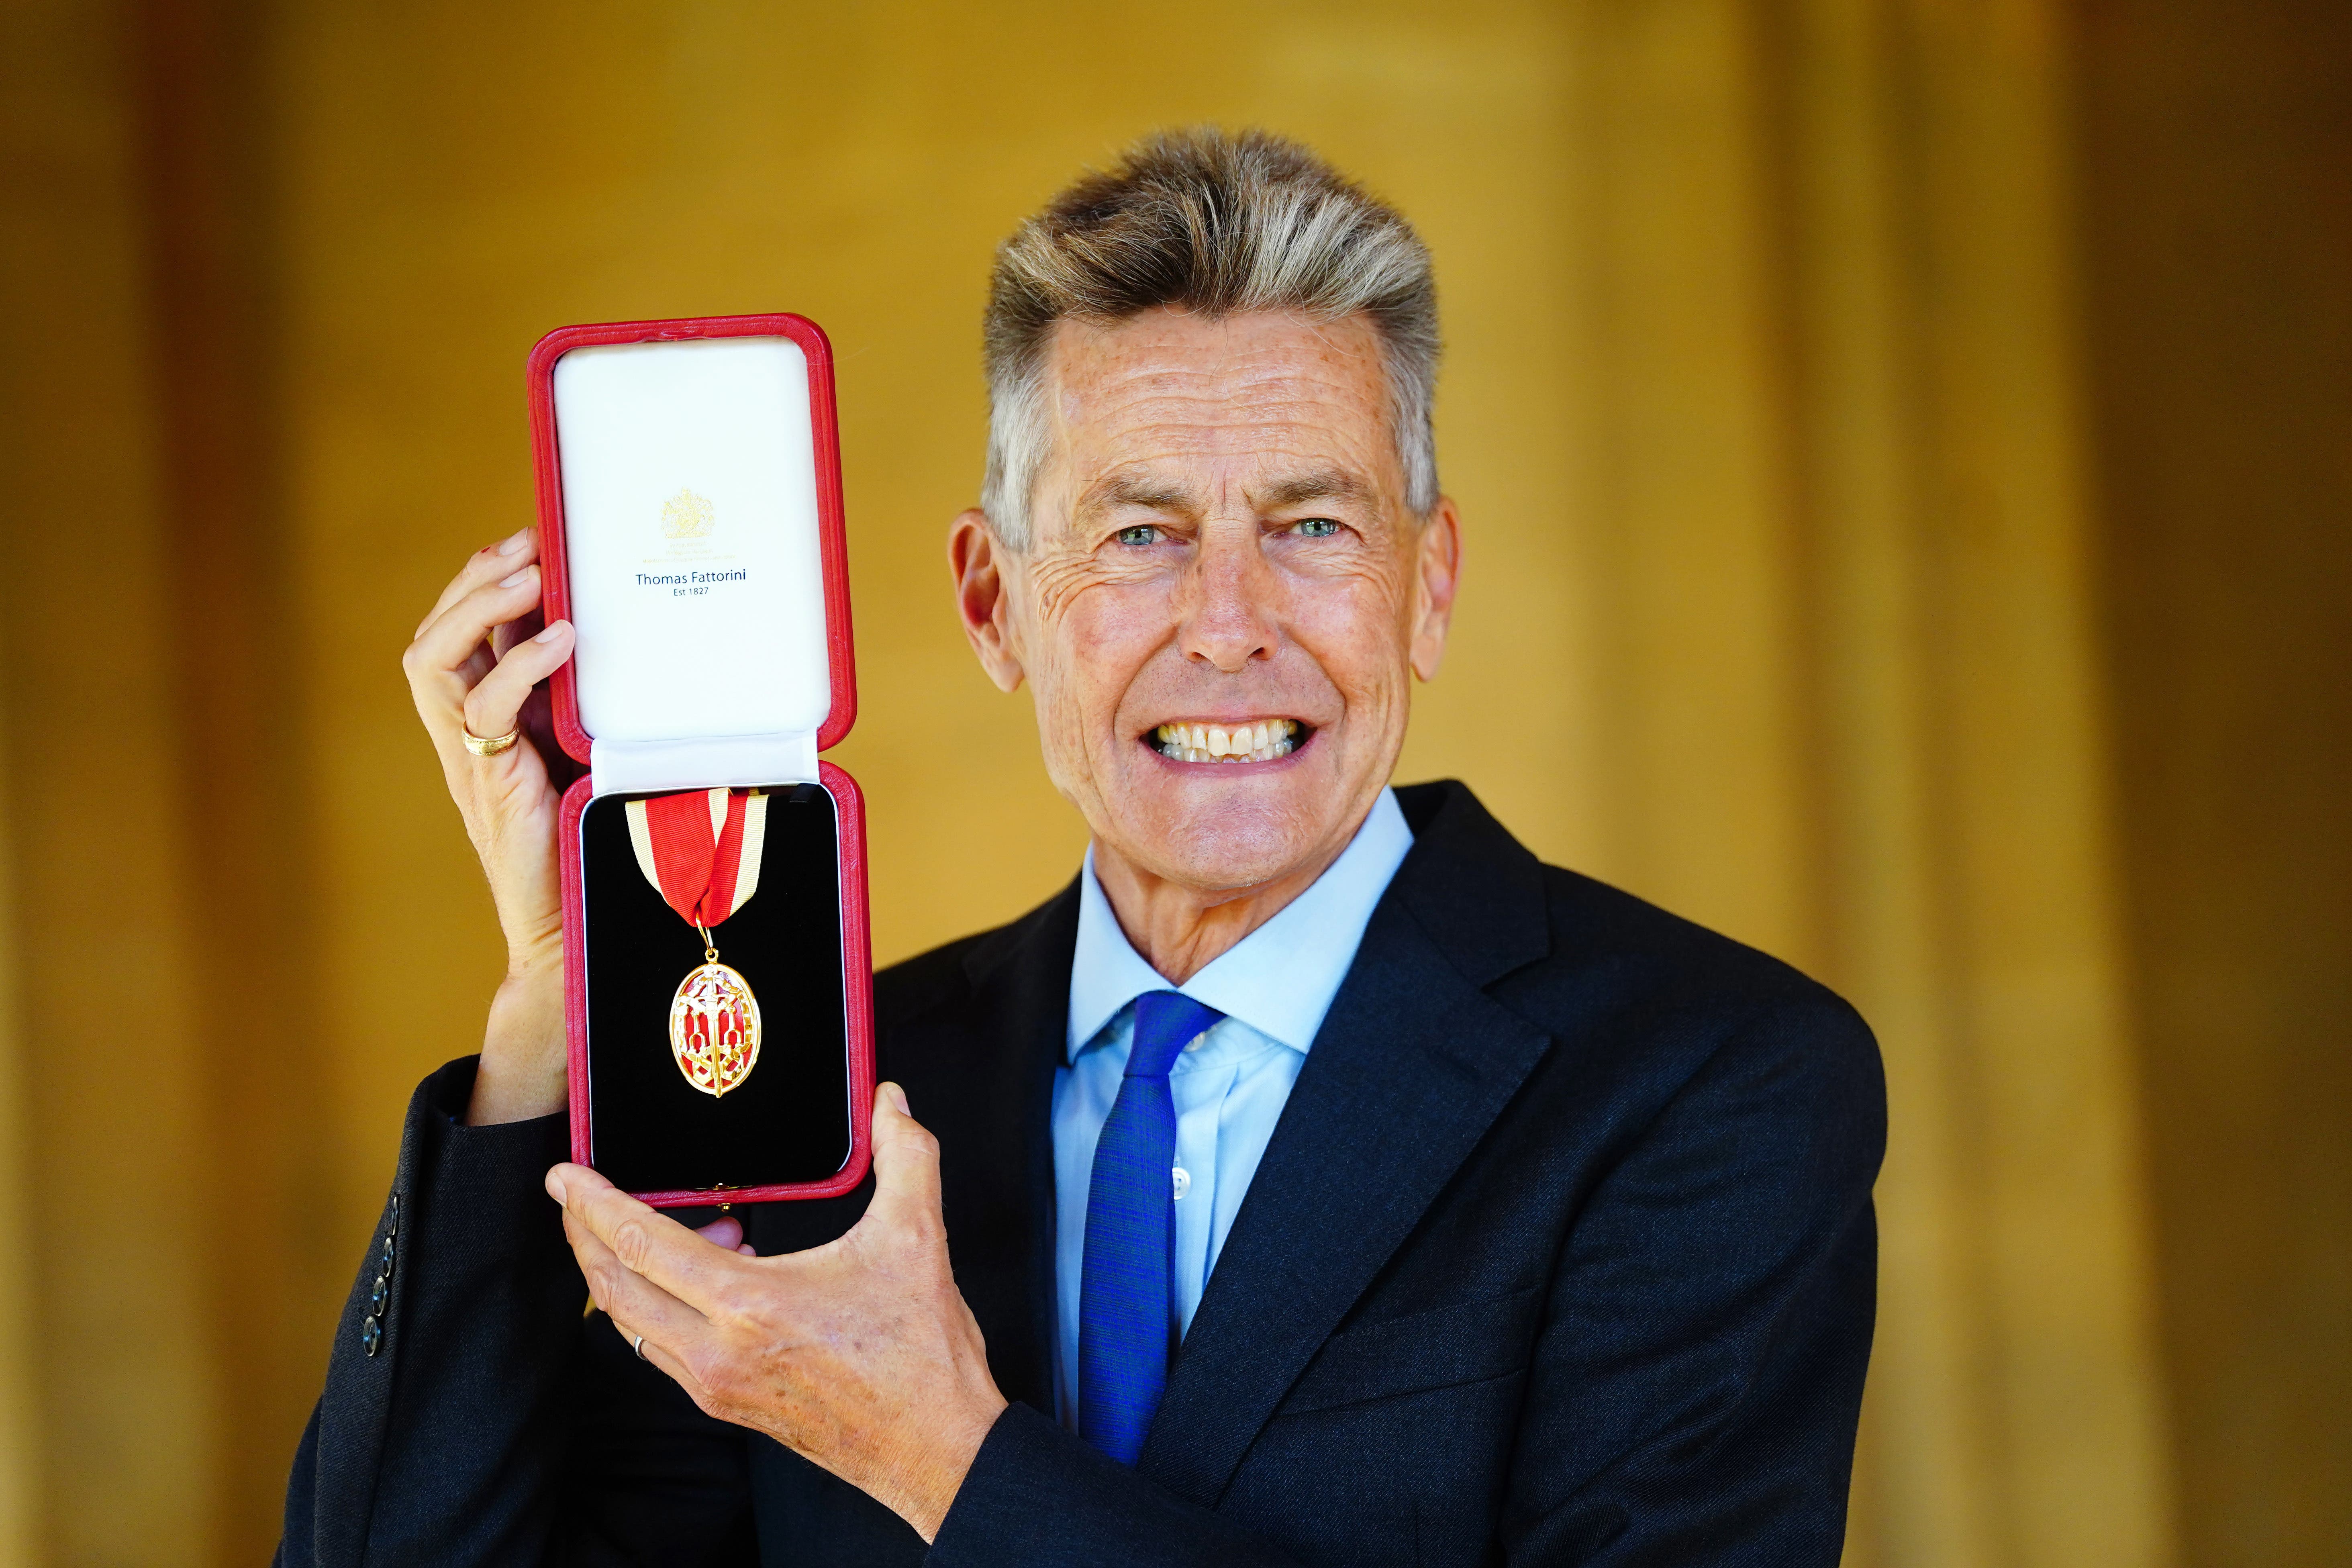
(2218, 244)
(203, 76)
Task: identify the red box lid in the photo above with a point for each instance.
(694, 635)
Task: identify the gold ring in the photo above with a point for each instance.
(492, 747)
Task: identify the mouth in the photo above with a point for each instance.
(1251, 740)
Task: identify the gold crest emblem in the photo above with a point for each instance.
(687, 516)
(714, 1028)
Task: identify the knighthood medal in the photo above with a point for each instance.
(701, 850)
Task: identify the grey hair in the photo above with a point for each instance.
(1215, 223)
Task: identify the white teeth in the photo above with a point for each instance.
(1260, 741)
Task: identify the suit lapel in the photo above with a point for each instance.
(1020, 981)
(1412, 1065)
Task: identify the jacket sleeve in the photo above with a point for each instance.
(1694, 1385)
(473, 1411)
(1698, 1374)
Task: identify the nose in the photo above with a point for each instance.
(1229, 615)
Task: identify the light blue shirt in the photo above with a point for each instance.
(1230, 1086)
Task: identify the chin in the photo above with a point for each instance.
(1229, 844)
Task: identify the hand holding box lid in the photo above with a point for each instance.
(477, 670)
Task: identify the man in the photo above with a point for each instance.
(1319, 1179)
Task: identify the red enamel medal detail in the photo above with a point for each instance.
(702, 851)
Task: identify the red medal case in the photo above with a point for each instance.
(690, 528)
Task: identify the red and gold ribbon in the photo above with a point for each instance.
(702, 850)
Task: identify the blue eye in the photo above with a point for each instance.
(1141, 533)
(1316, 528)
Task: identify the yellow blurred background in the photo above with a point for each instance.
(1906, 451)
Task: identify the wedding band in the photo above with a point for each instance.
(492, 747)
(641, 1347)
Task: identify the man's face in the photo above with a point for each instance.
(1219, 553)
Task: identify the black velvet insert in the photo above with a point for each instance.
(789, 1121)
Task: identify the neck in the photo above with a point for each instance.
(1181, 930)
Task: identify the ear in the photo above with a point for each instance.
(983, 570)
(1437, 566)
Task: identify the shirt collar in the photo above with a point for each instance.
(1281, 978)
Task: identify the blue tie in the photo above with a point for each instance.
(1126, 1307)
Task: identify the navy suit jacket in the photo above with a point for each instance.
(1562, 1253)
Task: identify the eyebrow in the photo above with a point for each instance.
(1135, 490)
(1323, 484)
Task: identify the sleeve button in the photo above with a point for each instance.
(372, 1336)
(387, 1256)
(379, 1296)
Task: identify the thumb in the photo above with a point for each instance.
(906, 1163)
(567, 1181)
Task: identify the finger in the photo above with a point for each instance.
(645, 1241)
(488, 564)
(495, 704)
(450, 639)
(673, 1331)
(906, 1163)
(727, 1231)
(453, 653)
(521, 629)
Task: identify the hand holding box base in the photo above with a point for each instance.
(859, 1355)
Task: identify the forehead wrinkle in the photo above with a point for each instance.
(1099, 380)
(1161, 390)
(1136, 386)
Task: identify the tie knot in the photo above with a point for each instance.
(1165, 1023)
